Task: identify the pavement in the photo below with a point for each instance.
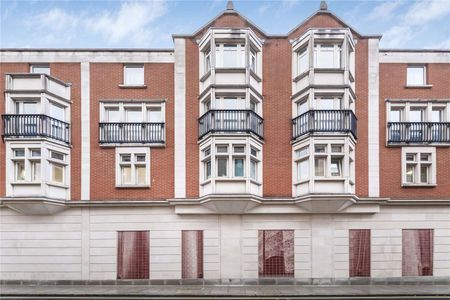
(224, 292)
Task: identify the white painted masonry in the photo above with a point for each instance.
(180, 118)
(85, 132)
(373, 128)
(422, 56)
(81, 243)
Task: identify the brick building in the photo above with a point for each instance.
(236, 155)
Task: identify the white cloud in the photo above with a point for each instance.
(262, 9)
(133, 21)
(384, 10)
(415, 21)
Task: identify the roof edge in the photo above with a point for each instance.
(414, 50)
(86, 50)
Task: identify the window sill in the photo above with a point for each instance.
(329, 178)
(60, 185)
(255, 76)
(237, 179)
(205, 76)
(25, 183)
(425, 86)
(300, 76)
(133, 186)
(302, 181)
(328, 70)
(413, 185)
(230, 70)
(207, 181)
(255, 182)
(129, 86)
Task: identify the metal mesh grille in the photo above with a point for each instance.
(417, 253)
(192, 254)
(133, 255)
(359, 244)
(276, 253)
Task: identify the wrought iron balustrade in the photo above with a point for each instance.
(231, 121)
(141, 133)
(418, 132)
(338, 121)
(29, 125)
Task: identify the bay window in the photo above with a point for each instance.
(327, 56)
(230, 55)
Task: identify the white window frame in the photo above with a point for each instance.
(126, 80)
(122, 106)
(409, 81)
(336, 51)
(59, 163)
(132, 151)
(417, 151)
(33, 68)
(303, 53)
(239, 55)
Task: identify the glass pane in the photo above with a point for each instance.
(303, 170)
(36, 171)
(222, 167)
(140, 157)
(40, 69)
(416, 115)
(125, 157)
(57, 173)
(410, 173)
(154, 115)
(254, 152)
(319, 166)
(303, 61)
(395, 115)
(424, 174)
(35, 152)
(302, 107)
(415, 76)
(207, 151)
(336, 148)
(222, 149)
(134, 75)
(230, 103)
(253, 170)
(126, 175)
(20, 170)
(239, 149)
(57, 155)
(208, 169)
(57, 112)
(112, 115)
(19, 152)
(410, 156)
(320, 148)
(436, 115)
(302, 151)
(141, 175)
(133, 115)
(29, 108)
(336, 167)
(425, 156)
(238, 167)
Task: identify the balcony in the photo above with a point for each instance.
(324, 121)
(231, 121)
(20, 126)
(131, 133)
(418, 132)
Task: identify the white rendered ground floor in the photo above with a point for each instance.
(81, 243)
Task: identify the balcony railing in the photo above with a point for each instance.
(418, 132)
(333, 121)
(231, 121)
(18, 126)
(140, 133)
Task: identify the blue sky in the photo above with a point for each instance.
(149, 24)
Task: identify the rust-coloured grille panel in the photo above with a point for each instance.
(192, 254)
(276, 253)
(359, 250)
(133, 255)
(417, 252)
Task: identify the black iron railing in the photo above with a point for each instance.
(143, 133)
(18, 126)
(324, 121)
(418, 132)
(231, 121)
